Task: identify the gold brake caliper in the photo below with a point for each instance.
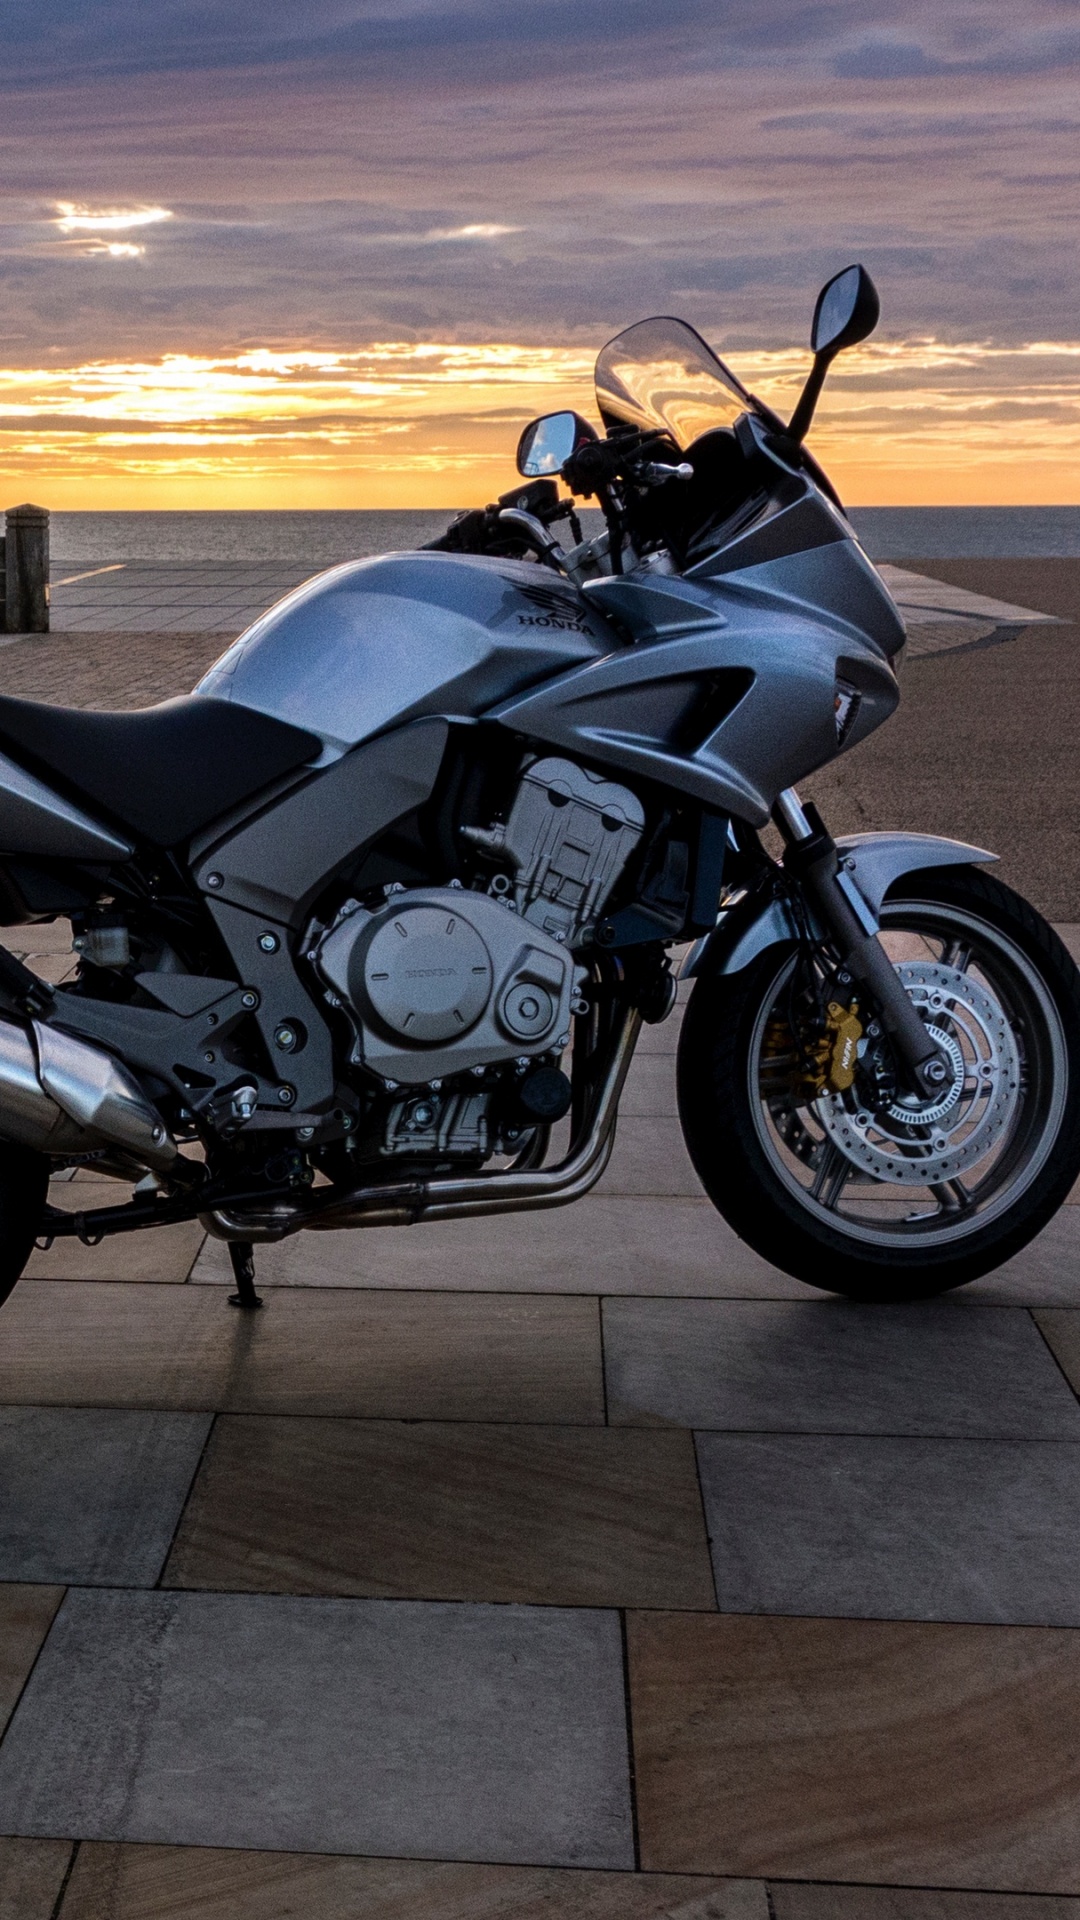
(845, 1030)
(828, 1061)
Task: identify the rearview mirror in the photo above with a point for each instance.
(547, 443)
(847, 311)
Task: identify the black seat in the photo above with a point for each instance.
(162, 772)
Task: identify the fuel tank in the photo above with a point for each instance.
(375, 643)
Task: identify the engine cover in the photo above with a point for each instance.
(440, 980)
(568, 838)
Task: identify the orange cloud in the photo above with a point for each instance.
(435, 424)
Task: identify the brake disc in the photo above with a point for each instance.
(922, 1141)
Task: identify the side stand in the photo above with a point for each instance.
(242, 1255)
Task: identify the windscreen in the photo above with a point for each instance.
(661, 375)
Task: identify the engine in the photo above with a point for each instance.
(445, 981)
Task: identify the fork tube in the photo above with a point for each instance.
(812, 860)
(790, 818)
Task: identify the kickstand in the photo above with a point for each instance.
(242, 1256)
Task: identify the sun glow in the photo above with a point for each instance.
(72, 218)
(436, 423)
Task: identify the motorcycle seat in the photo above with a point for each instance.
(162, 772)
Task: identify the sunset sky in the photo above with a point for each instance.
(336, 254)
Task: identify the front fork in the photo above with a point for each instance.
(811, 858)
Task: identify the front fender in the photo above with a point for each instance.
(875, 862)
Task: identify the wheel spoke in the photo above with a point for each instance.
(832, 1177)
(957, 953)
(952, 1196)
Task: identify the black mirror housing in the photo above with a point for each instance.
(847, 311)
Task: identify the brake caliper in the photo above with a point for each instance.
(827, 1061)
(845, 1029)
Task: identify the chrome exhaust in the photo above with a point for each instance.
(61, 1095)
(452, 1196)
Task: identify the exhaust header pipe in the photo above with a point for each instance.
(61, 1095)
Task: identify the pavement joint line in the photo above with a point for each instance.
(705, 1519)
(1033, 1312)
(631, 1763)
(544, 1426)
(65, 1589)
(186, 1502)
(240, 1594)
(58, 1903)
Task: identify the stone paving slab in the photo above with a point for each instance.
(894, 1529)
(477, 1733)
(371, 1355)
(788, 1367)
(567, 1517)
(650, 1158)
(31, 1877)
(858, 1750)
(140, 1883)
(940, 617)
(140, 596)
(92, 1495)
(923, 598)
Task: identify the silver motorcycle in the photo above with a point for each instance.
(368, 924)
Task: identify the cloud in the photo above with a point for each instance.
(882, 59)
(356, 171)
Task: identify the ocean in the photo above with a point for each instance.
(324, 539)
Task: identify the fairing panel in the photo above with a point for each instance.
(766, 671)
(375, 643)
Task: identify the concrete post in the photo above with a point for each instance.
(26, 586)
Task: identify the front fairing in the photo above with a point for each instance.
(800, 544)
(730, 693)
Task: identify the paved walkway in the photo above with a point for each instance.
(580, 1566)
(138, 596)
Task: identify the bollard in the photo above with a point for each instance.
(26, 585)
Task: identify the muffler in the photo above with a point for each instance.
(61, 1095)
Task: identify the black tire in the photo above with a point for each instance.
(24, 1188)
(899, 1256)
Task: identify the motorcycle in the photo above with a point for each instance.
(384, 903)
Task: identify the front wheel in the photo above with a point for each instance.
(807, 1146)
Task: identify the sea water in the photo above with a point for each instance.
(324, 539)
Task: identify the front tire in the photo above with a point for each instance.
(24, 1189)
(847, 1199)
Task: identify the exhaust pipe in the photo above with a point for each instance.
(61, 1095)
(452, 1197)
